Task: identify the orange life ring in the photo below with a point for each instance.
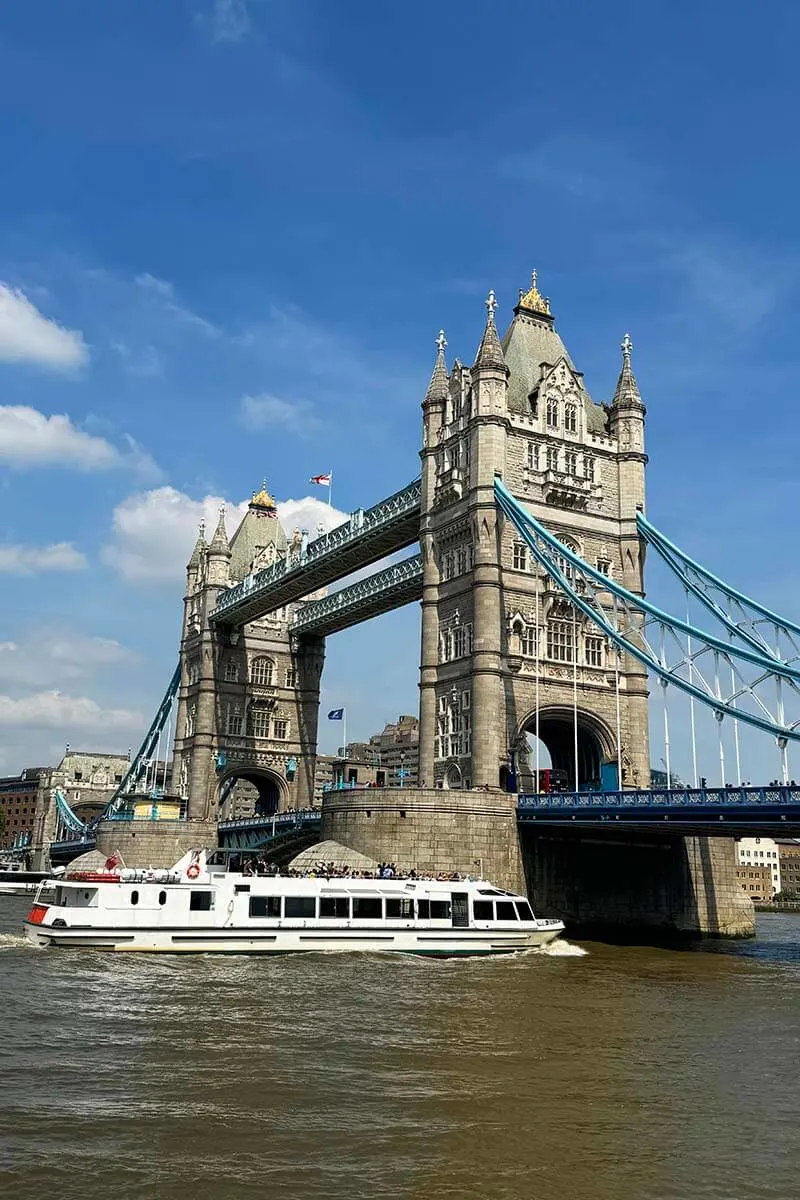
(193, 871)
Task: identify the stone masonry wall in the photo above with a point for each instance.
(430, 830)
(154, 843)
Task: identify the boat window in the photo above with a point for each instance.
(201, 901)
(491, 892)
(506, 911)
(424, 909)
(241, 887)
(162, 897)
(483, 910)
(440, 910)
(300, 906)
(335, 906)
(265, 906)
(134, 897)
(399, 908)
(524, 910)
(368, 907)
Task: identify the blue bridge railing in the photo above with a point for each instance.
(733, 797)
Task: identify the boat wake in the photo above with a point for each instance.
(15, 941)
(561, 949)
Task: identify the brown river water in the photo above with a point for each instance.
(621, 1073)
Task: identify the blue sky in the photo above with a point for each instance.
(230, 230)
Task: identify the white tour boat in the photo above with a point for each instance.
(201, 905)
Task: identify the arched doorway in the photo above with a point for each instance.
(452, 778)
(250, 791)
(556, 726)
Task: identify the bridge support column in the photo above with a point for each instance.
(636, 887)
(310, 656)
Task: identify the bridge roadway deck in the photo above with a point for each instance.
(710, 812)
(387, 527)
(380, 593)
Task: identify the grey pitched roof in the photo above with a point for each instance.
(490, 352)
(531, 346)
(260, 527)
(439, 384)
(627, 389)
(219, 542)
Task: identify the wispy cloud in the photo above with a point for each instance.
(165, 294)
(28, 438)
(265, 411)
(26, 336)
(35, 560)
(54, 710)
(47, 656)
(228, 20)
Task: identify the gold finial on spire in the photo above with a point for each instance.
(533, 299)
(262, 499)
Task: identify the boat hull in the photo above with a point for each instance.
(426, 943)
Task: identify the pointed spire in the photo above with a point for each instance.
(627, 391)
(439, 384)
(219, 542)
(199, 547)
(490, 352)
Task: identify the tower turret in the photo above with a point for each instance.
(219, 554)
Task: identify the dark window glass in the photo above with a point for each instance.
(524, 910)
(300, 906)
(506, 911)
(134, 897)
(201, 901)
(399, 908)
(334, 906)
(483, 910)
(423, 909)
(162, 897)
(368, 907)
(241, 887)
(265, 906)
(440, 910)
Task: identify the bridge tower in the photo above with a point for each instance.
(249, 695)
(499, 645)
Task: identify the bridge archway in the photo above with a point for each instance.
(596, 744)
(452, 778)
(270, 790)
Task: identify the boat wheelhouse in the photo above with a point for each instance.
(201, 905)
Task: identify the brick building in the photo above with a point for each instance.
(18, 804)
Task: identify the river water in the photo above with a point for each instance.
(597, 1073)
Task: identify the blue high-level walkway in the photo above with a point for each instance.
(723, 812)
(370, 534)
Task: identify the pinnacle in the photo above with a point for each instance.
(219, 542)
(627, 390)
(199, 547)
(490, 352)
(438, 386)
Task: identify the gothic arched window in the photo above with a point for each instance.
(561, 632)
(262, 671)
(571, 418)
(552, 413)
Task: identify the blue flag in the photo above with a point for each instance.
(336, 714)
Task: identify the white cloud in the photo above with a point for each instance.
(264, 410)
(27, 336)
(31, 560)
(153, 532)
(47, 656)
(28, 438)
(228, 21)
(164, 293)
(54, 710)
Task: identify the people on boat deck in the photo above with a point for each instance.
(258, 865)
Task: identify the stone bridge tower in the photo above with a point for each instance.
(499, 643)
(249, 696)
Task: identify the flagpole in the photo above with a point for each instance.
(344, 733)
(330, 488)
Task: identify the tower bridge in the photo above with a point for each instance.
(536, 639)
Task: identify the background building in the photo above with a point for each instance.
(18, 804)
(761, 852)
(789, 863)
(756, 881)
